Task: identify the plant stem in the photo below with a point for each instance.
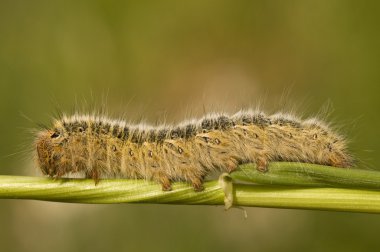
(303, 174)
(286, 185)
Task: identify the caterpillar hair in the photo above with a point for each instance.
(101, 148)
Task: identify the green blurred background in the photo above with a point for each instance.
(172, 60)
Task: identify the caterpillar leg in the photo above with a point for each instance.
(231, 165)
(262, 164)
(197, 184)
(93, 174)
(58, 175)
(165, 183)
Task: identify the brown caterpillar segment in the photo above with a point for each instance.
(100, 148)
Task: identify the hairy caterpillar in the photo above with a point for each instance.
(100, 147)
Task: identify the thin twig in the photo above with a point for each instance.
(286, 185)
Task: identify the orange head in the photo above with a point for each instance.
(49, 145)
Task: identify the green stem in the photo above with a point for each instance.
(286, 185)
(303, 174)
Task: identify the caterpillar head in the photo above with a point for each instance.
(50, 154)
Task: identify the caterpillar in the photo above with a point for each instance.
(101, 148)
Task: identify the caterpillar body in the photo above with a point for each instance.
(100, 147)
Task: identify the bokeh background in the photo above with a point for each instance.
(168, 60)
